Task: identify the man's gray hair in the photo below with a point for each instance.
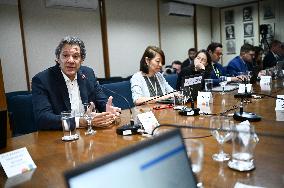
(71, 40)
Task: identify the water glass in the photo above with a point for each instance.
(178, 99)
(208, 84)
(221, 129)
(89, 114)
(223, 82)
(195, 152)
(244, 142)
(68, 126)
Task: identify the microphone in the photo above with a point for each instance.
(242, 115)
(127, 129)
(189, 111)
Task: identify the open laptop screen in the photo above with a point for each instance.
(158, 162)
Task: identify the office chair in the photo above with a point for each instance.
(172, 80)
(22, 119)
(120, 88)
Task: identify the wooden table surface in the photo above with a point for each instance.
(53, 156)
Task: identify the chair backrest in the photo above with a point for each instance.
(12, 94)
(119, 89)
(172, 80)
(22, 115)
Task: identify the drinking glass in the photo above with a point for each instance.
(195, 151)
(178, 100)
(68, 126)
(249, 76)
(221, 129)
(223, 82)
(89, 114)
(208, 84)
(186, 94)
(244, 141)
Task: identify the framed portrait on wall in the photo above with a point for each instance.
(231, 47)
(268, 11)
(230, 32)
(248, 29)
(270, 31)
(249, 41)
(247, 14)
(229, 17)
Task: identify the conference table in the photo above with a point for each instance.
(53, 156)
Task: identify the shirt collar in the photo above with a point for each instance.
(66, 77)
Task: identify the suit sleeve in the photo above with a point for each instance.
(44, 116)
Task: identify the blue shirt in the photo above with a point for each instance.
(236, 65)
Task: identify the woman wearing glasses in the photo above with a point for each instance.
(201, 67)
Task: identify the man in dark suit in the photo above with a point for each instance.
(189, 61)
(67, 86)
(273, 55)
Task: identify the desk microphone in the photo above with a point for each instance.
(189, 111)
(241, 115)
(130, 128)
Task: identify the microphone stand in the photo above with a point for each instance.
(190, 111)
(242, 115)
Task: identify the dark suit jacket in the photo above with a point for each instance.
(50, 95)
(190, 71)
(269, 60)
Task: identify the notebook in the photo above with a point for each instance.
(158, 162)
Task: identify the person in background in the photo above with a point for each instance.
(175, 68)
(273, 55)
(215, 51)
(258, 58)
(201, 66)
(191, 55)
(176, 65)
(149, 83)
(66, 86)
(243, 62)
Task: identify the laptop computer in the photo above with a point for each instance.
(158, 162)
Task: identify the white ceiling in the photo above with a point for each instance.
(216, 3)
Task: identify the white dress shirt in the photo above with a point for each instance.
(74, 96)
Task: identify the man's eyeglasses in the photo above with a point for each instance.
(218, 53)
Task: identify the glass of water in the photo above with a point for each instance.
(223, 82)
(221, 129)
(69, 126)
(89, 114)
(195, 151)
(244, 142)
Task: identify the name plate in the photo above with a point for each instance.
(265, 79)
(204, 98)
(192, 81)
(17, 162)
(279, 102)
(242, 88)
(148, 121)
